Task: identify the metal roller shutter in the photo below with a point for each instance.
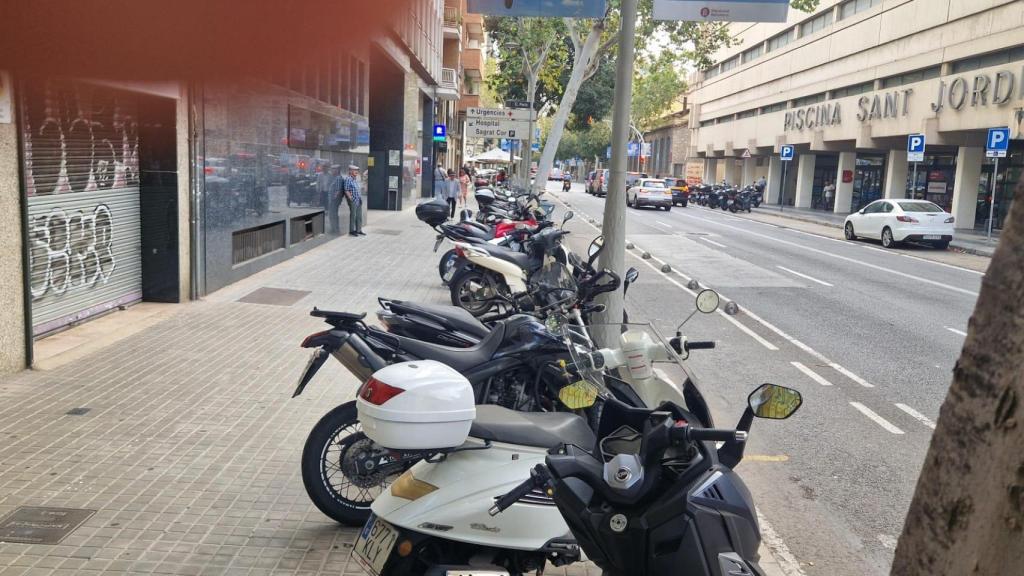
(82, 179)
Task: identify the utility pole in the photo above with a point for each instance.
(613, 255)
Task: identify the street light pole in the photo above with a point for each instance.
(613, 255)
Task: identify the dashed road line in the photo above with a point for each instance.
(888, 426)
(852, 376)
(805, 276)
(666, 225)
(866, 247)
(916, 415)
(955, 331)
(811, 374)
(709, 241)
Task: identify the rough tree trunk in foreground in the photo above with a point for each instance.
(967, 515)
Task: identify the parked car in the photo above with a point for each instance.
(895, 220)
(555, 174)
(680, 191)
(633, 177)
(649, 192)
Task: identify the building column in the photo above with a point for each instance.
(896, 174)
(749, 164)
(13, 339)
(965, 186)
(804, 180)
(844, 190)
(730, 171)
(710, 168)
(774, 181)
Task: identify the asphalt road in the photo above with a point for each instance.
(869, 336)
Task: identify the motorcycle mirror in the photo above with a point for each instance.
(595, 247)
(708, 301)
(568, 216)
(774, 402)
(632, 274)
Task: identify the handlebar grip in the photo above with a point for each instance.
(715, 434)
(512, 497)
(700, 345)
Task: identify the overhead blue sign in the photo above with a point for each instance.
(915, 148)
(786, 153)
(633, 149)
(440, 132)
(721, 10)
(547, 8)
(997, 143)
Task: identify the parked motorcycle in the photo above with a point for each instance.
(474, 460)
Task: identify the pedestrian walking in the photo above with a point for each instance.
(440, 181)
(324, 178)
(464, 187)
(354, 197)
(451, 192)
(333, 203)
(830, 192)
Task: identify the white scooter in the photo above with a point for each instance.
(434, 519)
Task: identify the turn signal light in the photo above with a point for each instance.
(307, 342)
(902, 218)
(376, 392)
(409, 488)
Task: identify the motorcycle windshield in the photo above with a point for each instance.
(581, 348)
(553, 283)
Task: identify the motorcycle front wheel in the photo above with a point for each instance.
(329, 472)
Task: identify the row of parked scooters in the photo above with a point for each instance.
(495, 436)
(726, 197)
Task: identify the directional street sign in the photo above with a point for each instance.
(915, 148)
(645, 150)
(722, 10)
(502, 114)
(997, 143)
(786, 153)
(487, 128)
(517, 104)
(633, 149)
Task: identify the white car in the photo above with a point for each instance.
(897, 220)
(650, 192)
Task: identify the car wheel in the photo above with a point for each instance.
(941, 245)
(684, 203)
(887, 239)
(668, 208)
(848, 231)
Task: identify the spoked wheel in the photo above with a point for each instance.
(330, 472)
(887, 239)
(848, 231)
(474, 291)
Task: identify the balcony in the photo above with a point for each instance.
(472, 59)
(448, 88)
(452, 23)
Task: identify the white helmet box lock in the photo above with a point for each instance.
(418, 405)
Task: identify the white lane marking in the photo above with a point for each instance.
(811, 374)
(916, 415)
(845, 258)
(955, 331)
(866, 247)
(780, 552)
(876, 418)
(709, 241)
(757, 337)
(943, 264)
(805, 276)
(663, 224)
(818, 236)
(852, 376)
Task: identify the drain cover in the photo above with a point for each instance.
(33, 525)
(274, 296)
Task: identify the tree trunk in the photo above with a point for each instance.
(581, 62)
(967, 515)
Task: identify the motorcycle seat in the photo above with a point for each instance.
(538, 429)
(452, 317)
(342, 316)
(461, 359)
(507, 254)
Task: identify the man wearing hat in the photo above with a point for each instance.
(355, 201)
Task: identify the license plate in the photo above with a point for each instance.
(449, 273)
(438, 243)
(373, 546)
(932, 237)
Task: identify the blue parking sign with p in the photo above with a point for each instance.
(997, 143)
(915, 148)
(786, 153)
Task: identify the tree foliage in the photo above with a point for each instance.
(656, 85)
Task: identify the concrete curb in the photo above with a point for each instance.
(954, 245)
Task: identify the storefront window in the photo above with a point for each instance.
(934, 180)
(868, 180)
(825, 170)
(1010, 172)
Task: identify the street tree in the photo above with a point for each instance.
(657, 84)
(967, 514)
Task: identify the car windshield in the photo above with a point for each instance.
(653, 184)
(919, 207)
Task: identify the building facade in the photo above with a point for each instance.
(849, 83)
(117, 192)
(670, 142)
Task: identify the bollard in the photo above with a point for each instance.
(646, 255)
(630, 246)
(666, 268)
(731, 308)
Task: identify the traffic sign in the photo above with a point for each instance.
(608, 153)
(485, 128)
(632, 149)
(721, 10)
(517, 114)
(997, 143)
(517, 104)
(645, 149)
(915, 148)
(440, 133)
(786, 153)
(746, 153)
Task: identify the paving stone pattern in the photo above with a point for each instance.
(190, 449)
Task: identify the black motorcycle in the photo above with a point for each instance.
(655, 495)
